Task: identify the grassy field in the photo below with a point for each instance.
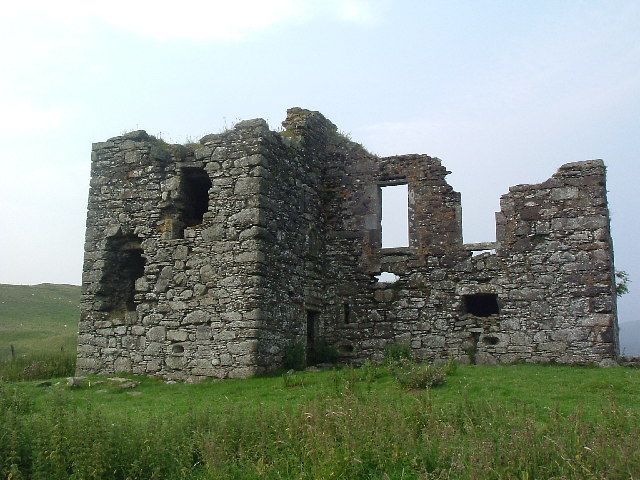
(486, 422)
(38, 319)
(519, 421)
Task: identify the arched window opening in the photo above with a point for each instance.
(123, 265)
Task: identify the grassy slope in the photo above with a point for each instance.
(38, 318)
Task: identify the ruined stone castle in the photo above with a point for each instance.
(213, 259)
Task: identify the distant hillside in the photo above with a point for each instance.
(38, 318)
(630, 338)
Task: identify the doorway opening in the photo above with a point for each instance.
(312, 333)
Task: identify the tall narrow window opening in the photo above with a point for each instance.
(195, 187)
(395, 216)
(123, 265)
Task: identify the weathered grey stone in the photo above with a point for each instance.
(246, 217)
(175, 363)
(247, 186)
(164, 279)
(207, 273)
(198, 316)
(213, 233)
(75, 382)
(177, 335)
(122, 364)
(211, 260)
(156, 334)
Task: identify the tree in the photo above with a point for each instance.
(622, 282)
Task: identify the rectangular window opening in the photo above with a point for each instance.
(394, 221)
(195, 187)
(481, 304)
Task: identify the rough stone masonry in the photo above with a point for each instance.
(212, 259)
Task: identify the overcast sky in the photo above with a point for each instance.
(503, 92)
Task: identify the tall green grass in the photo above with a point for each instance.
(38, 366)
(357, 424)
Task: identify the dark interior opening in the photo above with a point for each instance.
(123, 265)
(490, 340)
(346, 348)
(195, 187)
(346, 312)
(177, 349)
(312, 329)
(191, 204)
(481, 304)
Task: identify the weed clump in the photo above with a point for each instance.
(397, 352)
(420, 376)
(292, 379)
(411, 375)
(294, 357)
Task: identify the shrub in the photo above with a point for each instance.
(294, 356)
(420, 376)
(622, 282)
(451, 367)
(397, 352)
(324, 353)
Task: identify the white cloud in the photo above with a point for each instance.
(189, 19)
(359, 11)
(198, 19)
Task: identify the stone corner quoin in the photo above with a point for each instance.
(213, 259)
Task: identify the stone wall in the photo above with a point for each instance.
(212, 259)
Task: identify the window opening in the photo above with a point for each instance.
(394, 220)
(195, 195)
(123, 265)
(481, 304)
(491, 340)
(191, 204)
(346, 348)
(482, 252)
(387, 277)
